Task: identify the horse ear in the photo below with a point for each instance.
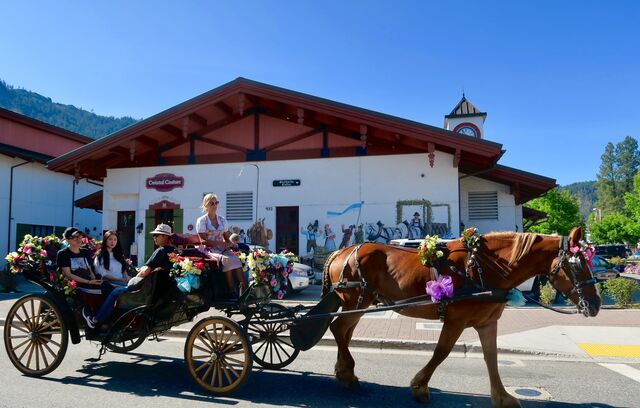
(575, 236)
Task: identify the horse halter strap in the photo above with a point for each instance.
(567, 262)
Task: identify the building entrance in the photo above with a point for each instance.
(287, 229)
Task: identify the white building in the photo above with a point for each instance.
(297, 161)
(33, 199)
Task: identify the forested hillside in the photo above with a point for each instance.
(67, 117)
(585, 193)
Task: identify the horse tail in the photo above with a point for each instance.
(326, 279)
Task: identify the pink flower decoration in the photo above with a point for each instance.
(73, 284)
(574, 250)
(442, 287)
(280, 294)
(274, 282)
(51, 277)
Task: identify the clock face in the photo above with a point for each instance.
(468, 131)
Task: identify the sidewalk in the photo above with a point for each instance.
(527, 330)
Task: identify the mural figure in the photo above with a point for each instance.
(311, 233)
(379, 233)
(346, 235)
(359, 235)
(416, 226)
(259, 235)
(242, 237)
(330, 237)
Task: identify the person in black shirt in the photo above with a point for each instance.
(75, 263)
(159, 259)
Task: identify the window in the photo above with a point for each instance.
(483, 205)
(240, 206)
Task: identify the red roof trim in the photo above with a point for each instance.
(36, 124)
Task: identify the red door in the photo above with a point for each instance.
(287, 229)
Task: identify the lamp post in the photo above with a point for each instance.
(598, 216)
(257, 184)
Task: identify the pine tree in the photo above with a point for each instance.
(606, 185)
(628, 159)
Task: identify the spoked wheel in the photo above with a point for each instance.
(271, 345)
(125, 346)
(218, 355)
(124, 337)
(35, 335)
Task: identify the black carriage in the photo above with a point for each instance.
(219, 350)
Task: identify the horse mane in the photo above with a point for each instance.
(326, 279)
(522, 243)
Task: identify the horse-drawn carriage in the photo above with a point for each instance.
(219, 351)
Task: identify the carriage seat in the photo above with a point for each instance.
(141, 296)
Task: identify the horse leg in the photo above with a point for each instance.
(342, 329)
(499, 396)
(450, 333)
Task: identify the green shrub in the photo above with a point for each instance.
(621, 290)
(547, 294)
(616, 260)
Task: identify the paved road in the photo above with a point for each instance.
(155, 375)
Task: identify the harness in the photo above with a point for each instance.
(470, 288)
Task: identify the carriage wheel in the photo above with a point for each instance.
(271, 345)
(218, 355)
(125, 346)
(35, 335)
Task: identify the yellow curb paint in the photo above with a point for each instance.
(610, 350)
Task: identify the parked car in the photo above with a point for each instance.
(610, 251)
(301, 276)
(602, 269)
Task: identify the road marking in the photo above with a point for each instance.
(623, 369)
(610, 350)
(429, 326)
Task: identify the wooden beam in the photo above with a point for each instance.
(293, 139)
(120, 150)
(147, 141)
(219, 124)
(202, 122)
(222, 144)
(456, 158)
(226, 109)
(172, 130)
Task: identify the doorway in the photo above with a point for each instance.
(126, 230)
(287, 234)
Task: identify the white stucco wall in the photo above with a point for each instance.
(509, 214)
(41, 197)
(329, 184)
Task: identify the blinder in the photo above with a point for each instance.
(571, 264)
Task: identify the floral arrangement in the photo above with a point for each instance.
(428, 250)
(588, 253)
(93, 245)
(470, 237)
(33, 249)
(269, 269)
(62, 283)
(186, 271)
(439, 288)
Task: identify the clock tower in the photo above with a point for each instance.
(466, 119)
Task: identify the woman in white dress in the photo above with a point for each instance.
(214, 232)
(109, 261)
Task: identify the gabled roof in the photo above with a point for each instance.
(183, 133)
(465, 109)
(33, 140)
(525, 186)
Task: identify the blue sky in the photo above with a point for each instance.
(558, 79)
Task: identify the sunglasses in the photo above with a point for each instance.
(214, 202)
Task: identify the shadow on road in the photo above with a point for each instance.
(149, 375)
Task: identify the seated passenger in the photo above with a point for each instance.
(75, 263)
(213, 230)
(109, 261)
(242, 247)
(159, 259)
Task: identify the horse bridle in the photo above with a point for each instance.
(570, 264)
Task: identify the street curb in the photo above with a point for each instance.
(393, 344)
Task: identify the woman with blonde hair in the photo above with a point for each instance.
(213, 230)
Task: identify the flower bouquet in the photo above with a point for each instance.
(37, 251)
(428, 250)
(470, 237)
(269, 270)
(186, 272)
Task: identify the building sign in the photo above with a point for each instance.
(164, 182)
(286, 183)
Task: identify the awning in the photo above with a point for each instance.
(92, 201)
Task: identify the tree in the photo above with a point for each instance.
(615, 178)
(562, 212)
(614, 228)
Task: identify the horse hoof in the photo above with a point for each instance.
(349, 383)
(421, 394)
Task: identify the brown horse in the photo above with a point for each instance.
(507, 259)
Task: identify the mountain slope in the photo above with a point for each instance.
(67, 117)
